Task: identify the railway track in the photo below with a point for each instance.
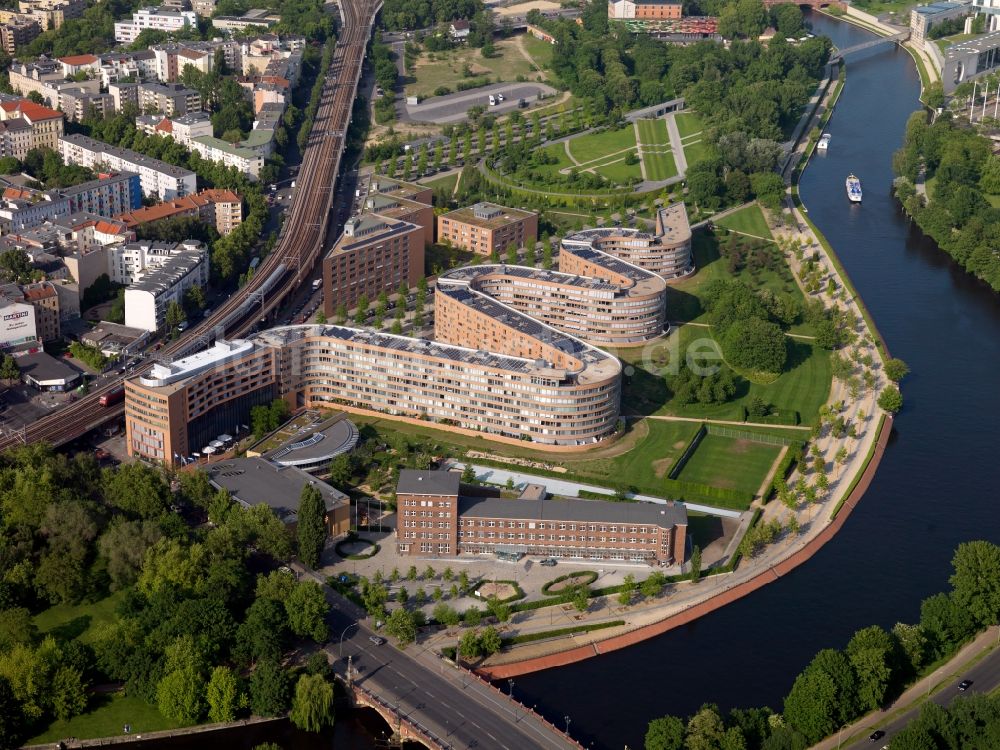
(289, 263)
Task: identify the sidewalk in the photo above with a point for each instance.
(918, 692)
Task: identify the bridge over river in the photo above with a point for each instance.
(423, 697)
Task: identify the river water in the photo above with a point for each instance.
(931, 490)
(930, 493)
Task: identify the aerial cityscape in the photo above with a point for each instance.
(499, 374)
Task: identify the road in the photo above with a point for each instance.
(288, 265)
(985, 676)
(457, 707)
(453, 107)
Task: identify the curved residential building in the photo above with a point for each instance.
(514, 353)
(667, 253)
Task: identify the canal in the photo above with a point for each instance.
(931, 491)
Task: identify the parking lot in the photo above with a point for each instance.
(453, 107)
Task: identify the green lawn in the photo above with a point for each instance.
(803, 388)
(539, 51)
(945, 42)
(78, 620)
(749, 220)
(446, 183)
(730, 463)
(656, 153)
(108, 715)
(688, 123)
(697, 150)
(641, 458)
(594, 146)
(618, 171)
(653, 132)
(558, 152)
(659, 165)
(448, 68)
(683, 298)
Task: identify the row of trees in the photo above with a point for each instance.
(840, 686)
(747, 87)
(966, 174)
(193, 631)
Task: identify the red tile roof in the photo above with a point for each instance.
(78, 59)
(31, 111)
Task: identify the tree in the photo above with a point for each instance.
(469, 646)
(581, 598)
(306, 608)
(312, 706)
(653, 584)
(896, 369)
(890, 399)
(402, 626)
(137, 489)
(179, 695)
(268, 689)
(755, 344)
(976, 581)
(469, 475)
(446, 615)
(490, 640)
(8, 368)
(175, 315)
(666, 733)
(11, 716)
(705, 730)
(69, 693)
(123, 545)
(311, 529)
(696, 563)
(222, 695)
(628, 590)
(871, 652)
(341, 470)
(823, 696)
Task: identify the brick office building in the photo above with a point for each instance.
(435, 518)
(485, 228)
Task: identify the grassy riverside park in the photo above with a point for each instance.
(656, 153)
(78, 620)
(749, 220)
(688, 124)
(729, 462)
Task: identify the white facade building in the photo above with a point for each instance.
(17, 324)
(156, 177)
(154, 18)
(169, 271)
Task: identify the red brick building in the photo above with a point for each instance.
(434, 518)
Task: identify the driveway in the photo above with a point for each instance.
(453, 107)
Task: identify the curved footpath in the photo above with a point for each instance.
(818, 523)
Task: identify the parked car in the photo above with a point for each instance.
(550, 562)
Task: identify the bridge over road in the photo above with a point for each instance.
(425, 698)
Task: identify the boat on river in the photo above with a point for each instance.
(853, 189)
(824, 142)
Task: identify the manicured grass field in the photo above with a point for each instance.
(730, 463)
(78, 620)
(558, 151)
(803, 388)
(108, 715)
(594, 146)
(656, 153)
(447, 68)
(641, 458)
(749, 220)
(688, 123)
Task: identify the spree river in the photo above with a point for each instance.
(931, 490)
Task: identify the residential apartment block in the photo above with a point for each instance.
(46, 124)
(51, 14)
(23, 208)
(169, 98)
(168, 270)
(153, 18)
(373, 255)
(487, 228)
(221, 208)
(182, 129)
(16, 138)
(156, 177)
(254, 18)
(18, 31)
(436, 516)
(406, 201)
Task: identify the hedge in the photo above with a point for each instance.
(682, 460)
(589, 575)
(542, 635)
(518, 592)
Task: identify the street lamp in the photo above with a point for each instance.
(340, 648)
(567, 720)
(510, 684)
